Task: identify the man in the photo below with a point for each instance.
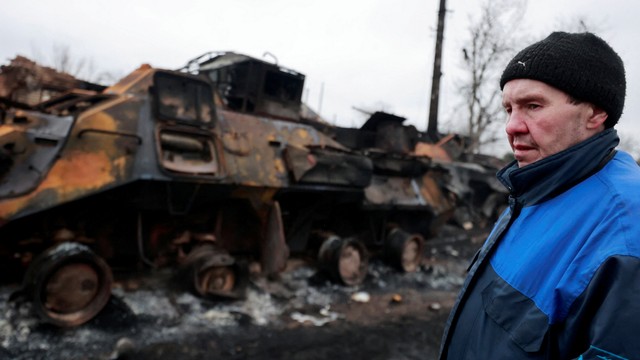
(559, 275)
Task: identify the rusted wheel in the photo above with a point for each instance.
(213, 272)
(216, 279)
(404, 250)
(68, 284)
(345, 260)
(70, 288)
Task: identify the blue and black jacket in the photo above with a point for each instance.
(559, 275)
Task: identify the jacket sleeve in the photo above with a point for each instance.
(605, 320)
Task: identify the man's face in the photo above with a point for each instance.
(542, 121)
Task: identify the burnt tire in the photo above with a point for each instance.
(345, 260)
(68, 284)
(404, 250)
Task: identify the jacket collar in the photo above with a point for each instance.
(555, 174)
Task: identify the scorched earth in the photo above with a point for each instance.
(301, 315)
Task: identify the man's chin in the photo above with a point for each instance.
(524, 161)
(525, 157)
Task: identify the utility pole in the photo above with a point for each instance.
(432, 127)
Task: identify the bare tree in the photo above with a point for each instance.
(579, 24)
(64, 60)
(492, 39)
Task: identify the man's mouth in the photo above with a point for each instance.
(522, 147)
(522, 153)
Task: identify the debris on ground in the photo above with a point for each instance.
(286, 318)
(361, 297)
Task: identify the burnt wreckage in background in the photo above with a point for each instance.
(205, 169)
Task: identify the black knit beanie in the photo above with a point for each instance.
(582, 65)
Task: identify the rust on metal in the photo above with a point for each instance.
(69, 284)
(404, 250)
(345, 260)
(71, 288)
(212, 272)
(274, 252)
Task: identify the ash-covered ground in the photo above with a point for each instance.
(299, 316)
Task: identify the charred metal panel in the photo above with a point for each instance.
(252, 149)
(398, 164)
(137, 82)
(274, 251)
(402, 192)
(448, 148)
(183, 99)
(433, 151)
(97, 153)
(354, 138)
(382, 132)
(326, 166)
(393, 192)
(185, 113)
(253, 86)
(29, 144)
(281, 93)
(477, 188)
(187, 152)
(262, 152)
(72, 102)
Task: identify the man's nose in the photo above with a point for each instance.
(515, 123)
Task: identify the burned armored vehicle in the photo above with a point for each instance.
(470, 180)
(203, 169)
(324, 195)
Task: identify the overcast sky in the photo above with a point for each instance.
(373, 54)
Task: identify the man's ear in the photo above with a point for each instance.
(597, 118)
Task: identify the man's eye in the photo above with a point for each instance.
(508, 110)
(533, 106)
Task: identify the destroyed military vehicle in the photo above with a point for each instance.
(205, 169)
